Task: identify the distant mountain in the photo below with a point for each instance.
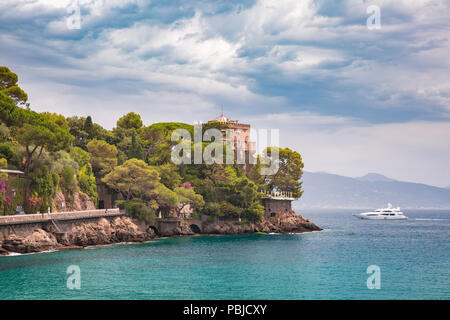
(374, 177)
(325, 190)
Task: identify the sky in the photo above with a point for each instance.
(349, 98)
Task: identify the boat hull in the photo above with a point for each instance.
(364, 217)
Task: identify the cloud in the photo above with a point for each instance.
(309, 67)
(411, 151)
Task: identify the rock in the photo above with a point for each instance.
(38, 240)
(81, 202)
(3, 252)
(291, 222)
(184, 230)
(125, 229)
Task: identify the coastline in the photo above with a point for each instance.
(126, 230)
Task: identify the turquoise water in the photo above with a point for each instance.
(413, 257)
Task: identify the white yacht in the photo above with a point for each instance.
(388, 213)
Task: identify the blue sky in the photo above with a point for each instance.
(349, 99)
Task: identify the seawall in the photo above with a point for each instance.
(23, 225)
(73, 230)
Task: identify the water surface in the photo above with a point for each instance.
(413, 256)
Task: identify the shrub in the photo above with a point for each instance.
(138, 209)
(6, 151)
(45, 186)
(211, 209)
(69, 183)
(87, 182)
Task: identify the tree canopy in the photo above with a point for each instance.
(103, 156)
(74, 154)
(289, 173)
(8, 85)
(130, 121)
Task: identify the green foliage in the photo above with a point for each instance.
(19, 187)
(35, 132)
(130, 121)
(211, 209)
(158, 140)
(68, 181)
(7, 78)
(6, 151)
(226, 191)
(134, 177)
(290, 171)
(8, 86)
(74, 153)
(44, 185)
(3, 165)
(89, 127)
(9, 113)
(80, 156)
(136, 150)
(87, 183)
(60, 160)
(5, 133)
(103, 156)
(83, 130)
(138, 209)
(169, 175)
(187, 196)
(59, 119)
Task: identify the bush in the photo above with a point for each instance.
(87, 182)
(211, 209)
(137, 209)
(6, 151)
(19, 186)
(69, 183)
(45, 186)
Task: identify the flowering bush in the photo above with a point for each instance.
(5, 197)
(34, 203)
(186, 185)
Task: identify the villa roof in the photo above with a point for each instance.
(222, 118)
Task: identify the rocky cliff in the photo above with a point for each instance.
(281, 223)
(100, 232)
(125, 229)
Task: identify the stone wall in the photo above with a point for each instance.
(272, 206)
(25, 223)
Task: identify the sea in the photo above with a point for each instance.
(349, 259)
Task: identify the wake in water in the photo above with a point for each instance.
(429, 219)
(15, 254)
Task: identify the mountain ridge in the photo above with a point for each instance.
(327, 190)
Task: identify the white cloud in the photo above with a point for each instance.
(183, 69)
(415, 151)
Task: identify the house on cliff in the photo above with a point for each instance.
(277, 201)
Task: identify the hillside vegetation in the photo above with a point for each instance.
(72, 155)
